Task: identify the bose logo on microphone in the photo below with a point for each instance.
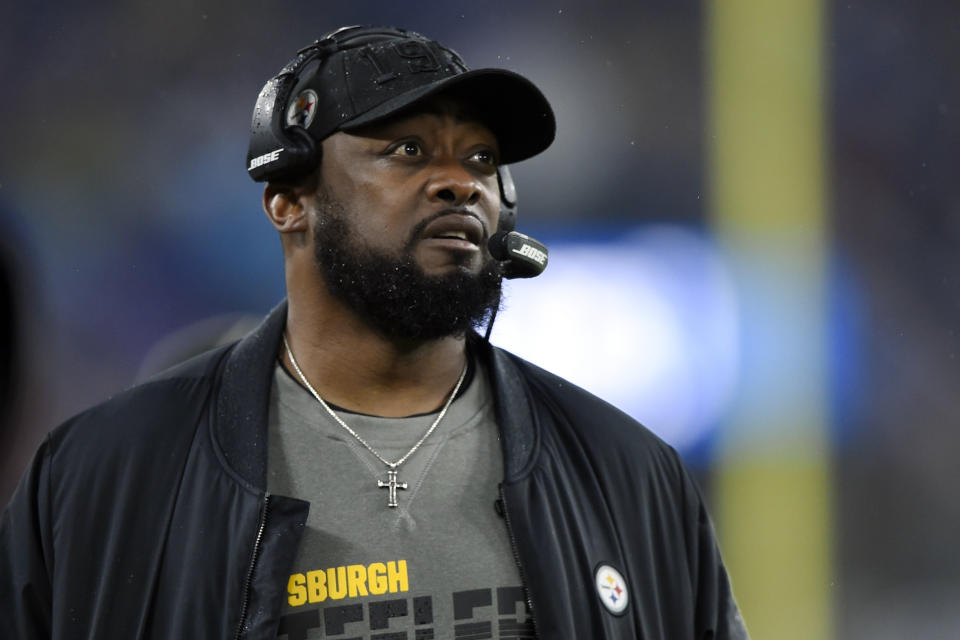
(532, 252)
(266, 158)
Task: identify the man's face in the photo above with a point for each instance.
(404, 210)
(426, 181)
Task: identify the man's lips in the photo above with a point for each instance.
(456, 230)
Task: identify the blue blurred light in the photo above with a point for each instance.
(647, 320)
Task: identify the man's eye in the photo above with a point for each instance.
(485, 157)
(409, 149)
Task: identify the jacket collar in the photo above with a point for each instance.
(518, 423)
(243, 399)
(242, 403)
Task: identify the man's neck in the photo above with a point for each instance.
(355, 367)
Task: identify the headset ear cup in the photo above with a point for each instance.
(508, 200)
(303, 152)
(300, 149)
(279, 151)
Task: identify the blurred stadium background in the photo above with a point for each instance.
(754, 222)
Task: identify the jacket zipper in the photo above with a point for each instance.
(244, 603)
(516, 559)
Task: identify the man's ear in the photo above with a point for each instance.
(284, 206)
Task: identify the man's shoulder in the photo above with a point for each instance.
(596, 420)
(144, 415)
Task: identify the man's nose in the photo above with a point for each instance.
(454, 185)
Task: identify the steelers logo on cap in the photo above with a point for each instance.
(302, 109)
(612, 589)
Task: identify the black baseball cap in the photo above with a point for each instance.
(357, 76)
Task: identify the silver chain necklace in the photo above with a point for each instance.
(392, 484)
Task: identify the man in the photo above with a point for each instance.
(365, 465)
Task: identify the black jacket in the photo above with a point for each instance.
(146, 516)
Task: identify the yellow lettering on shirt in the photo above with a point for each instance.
(297, 590)
(317, 585)
(337, 582)
(377, 578)
(397, 576)
(355, 580)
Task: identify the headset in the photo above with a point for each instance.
(300, 154)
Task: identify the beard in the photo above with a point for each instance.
(391, 293)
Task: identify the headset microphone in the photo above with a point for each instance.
(523, 257)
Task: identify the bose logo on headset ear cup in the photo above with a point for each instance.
(266, 158)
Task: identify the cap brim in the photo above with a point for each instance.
(512, 106)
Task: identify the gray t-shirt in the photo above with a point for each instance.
(439, 565)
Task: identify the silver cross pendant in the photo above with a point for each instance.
(392, 485)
